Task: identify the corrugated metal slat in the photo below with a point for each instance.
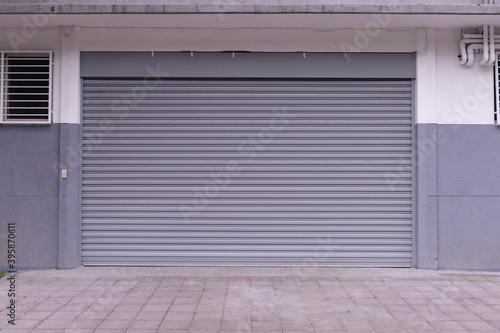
(247, 172)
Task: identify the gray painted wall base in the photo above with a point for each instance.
(458, 204)
(458, 197)
(31, 193)
(70, 197)
(426, 210)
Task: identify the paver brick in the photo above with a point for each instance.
(150, 315)
(83, 324)
(128, 308)
(121, 315)
(183, 307)
(33, 315)
(476, 325)
(26, 323)
(449, 325)
(213, 325)
(454, 303)
(113, 324)
(146, 324)
(179, 315)
(53, 324)
(175, 324)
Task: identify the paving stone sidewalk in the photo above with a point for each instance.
(103, 303)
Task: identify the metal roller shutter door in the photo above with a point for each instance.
(247, 172)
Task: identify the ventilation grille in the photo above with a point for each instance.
(26, 80)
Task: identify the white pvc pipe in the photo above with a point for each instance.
(470, 53)
(475, 36)
(493, 55)
(463, 49)
(492, 46)
(486, 54)
(485, 41)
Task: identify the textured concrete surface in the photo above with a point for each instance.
(468, 232)
(458, 197)
(463, 169)
(29, 190)
(426, 152)
(44, 207)
(235, 271)
(350, 301)
(249, 6)
(70, 197)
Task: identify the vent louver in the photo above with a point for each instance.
(26, 80)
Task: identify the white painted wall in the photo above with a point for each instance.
(447, 93)
(426, 83)
(70, 75)
(465, 95)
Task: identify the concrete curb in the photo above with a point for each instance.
(247, 271)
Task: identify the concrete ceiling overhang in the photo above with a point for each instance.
(447, 7)
(316, 14)
(259, 21)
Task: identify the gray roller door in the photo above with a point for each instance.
(247, 172)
